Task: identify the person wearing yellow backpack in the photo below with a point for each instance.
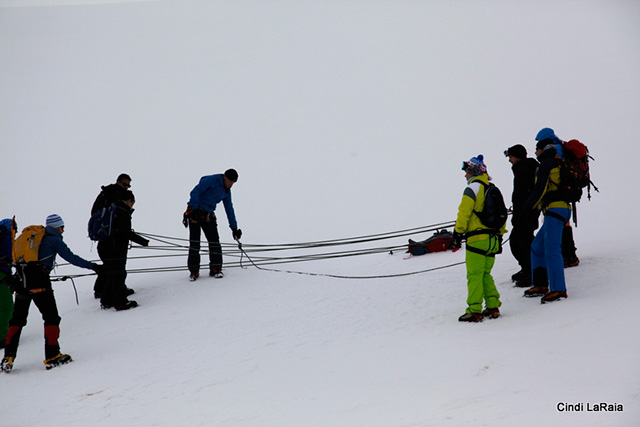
(36, 287)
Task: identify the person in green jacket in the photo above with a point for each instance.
(482, 244)
(6, 294)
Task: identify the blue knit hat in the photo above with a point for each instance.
(54, 220)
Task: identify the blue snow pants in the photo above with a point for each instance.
(546, 249)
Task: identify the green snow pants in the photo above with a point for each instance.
(479, 280)
(6, 307)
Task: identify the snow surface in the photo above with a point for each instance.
(343, 118)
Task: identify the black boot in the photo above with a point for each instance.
(127, 306)
(517, 276)
(540, 283)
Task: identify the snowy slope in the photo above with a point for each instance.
(343, 119)
(265, 348)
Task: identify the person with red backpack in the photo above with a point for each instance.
(36, 287)
(547, 265)
(574, 162)
(569, 256)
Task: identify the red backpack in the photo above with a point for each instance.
(437, 243)
(576, 159)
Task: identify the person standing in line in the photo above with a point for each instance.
(524, 221)
(569, 256)
(37, 288)
(112, 193)
(547, 266)
(200, 216)
(7, 227)
(113, 251)
(482, 244)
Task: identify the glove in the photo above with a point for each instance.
(499, 244)
(237, 234)
(13, 282)
(98, 268)
(186, 215)
(145, 242)
(456, 241)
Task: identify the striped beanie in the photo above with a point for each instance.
(54, 220)
(475, 166)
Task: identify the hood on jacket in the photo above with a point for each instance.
(5, 226)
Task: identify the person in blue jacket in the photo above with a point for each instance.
(36, 287)
(200, 216)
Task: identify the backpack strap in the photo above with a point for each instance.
(555, 215)
(479, 251)
(485, 194)
(489, 231)
(489, 252)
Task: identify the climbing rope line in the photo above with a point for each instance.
(339, 276)
(347, 240)
(290, 253)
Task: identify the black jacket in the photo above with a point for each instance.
(111, 193)
(524, 178)
(117, 245)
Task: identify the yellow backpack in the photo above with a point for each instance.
(27, 245)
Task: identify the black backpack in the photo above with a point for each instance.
(101, 223)
(494, 214)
